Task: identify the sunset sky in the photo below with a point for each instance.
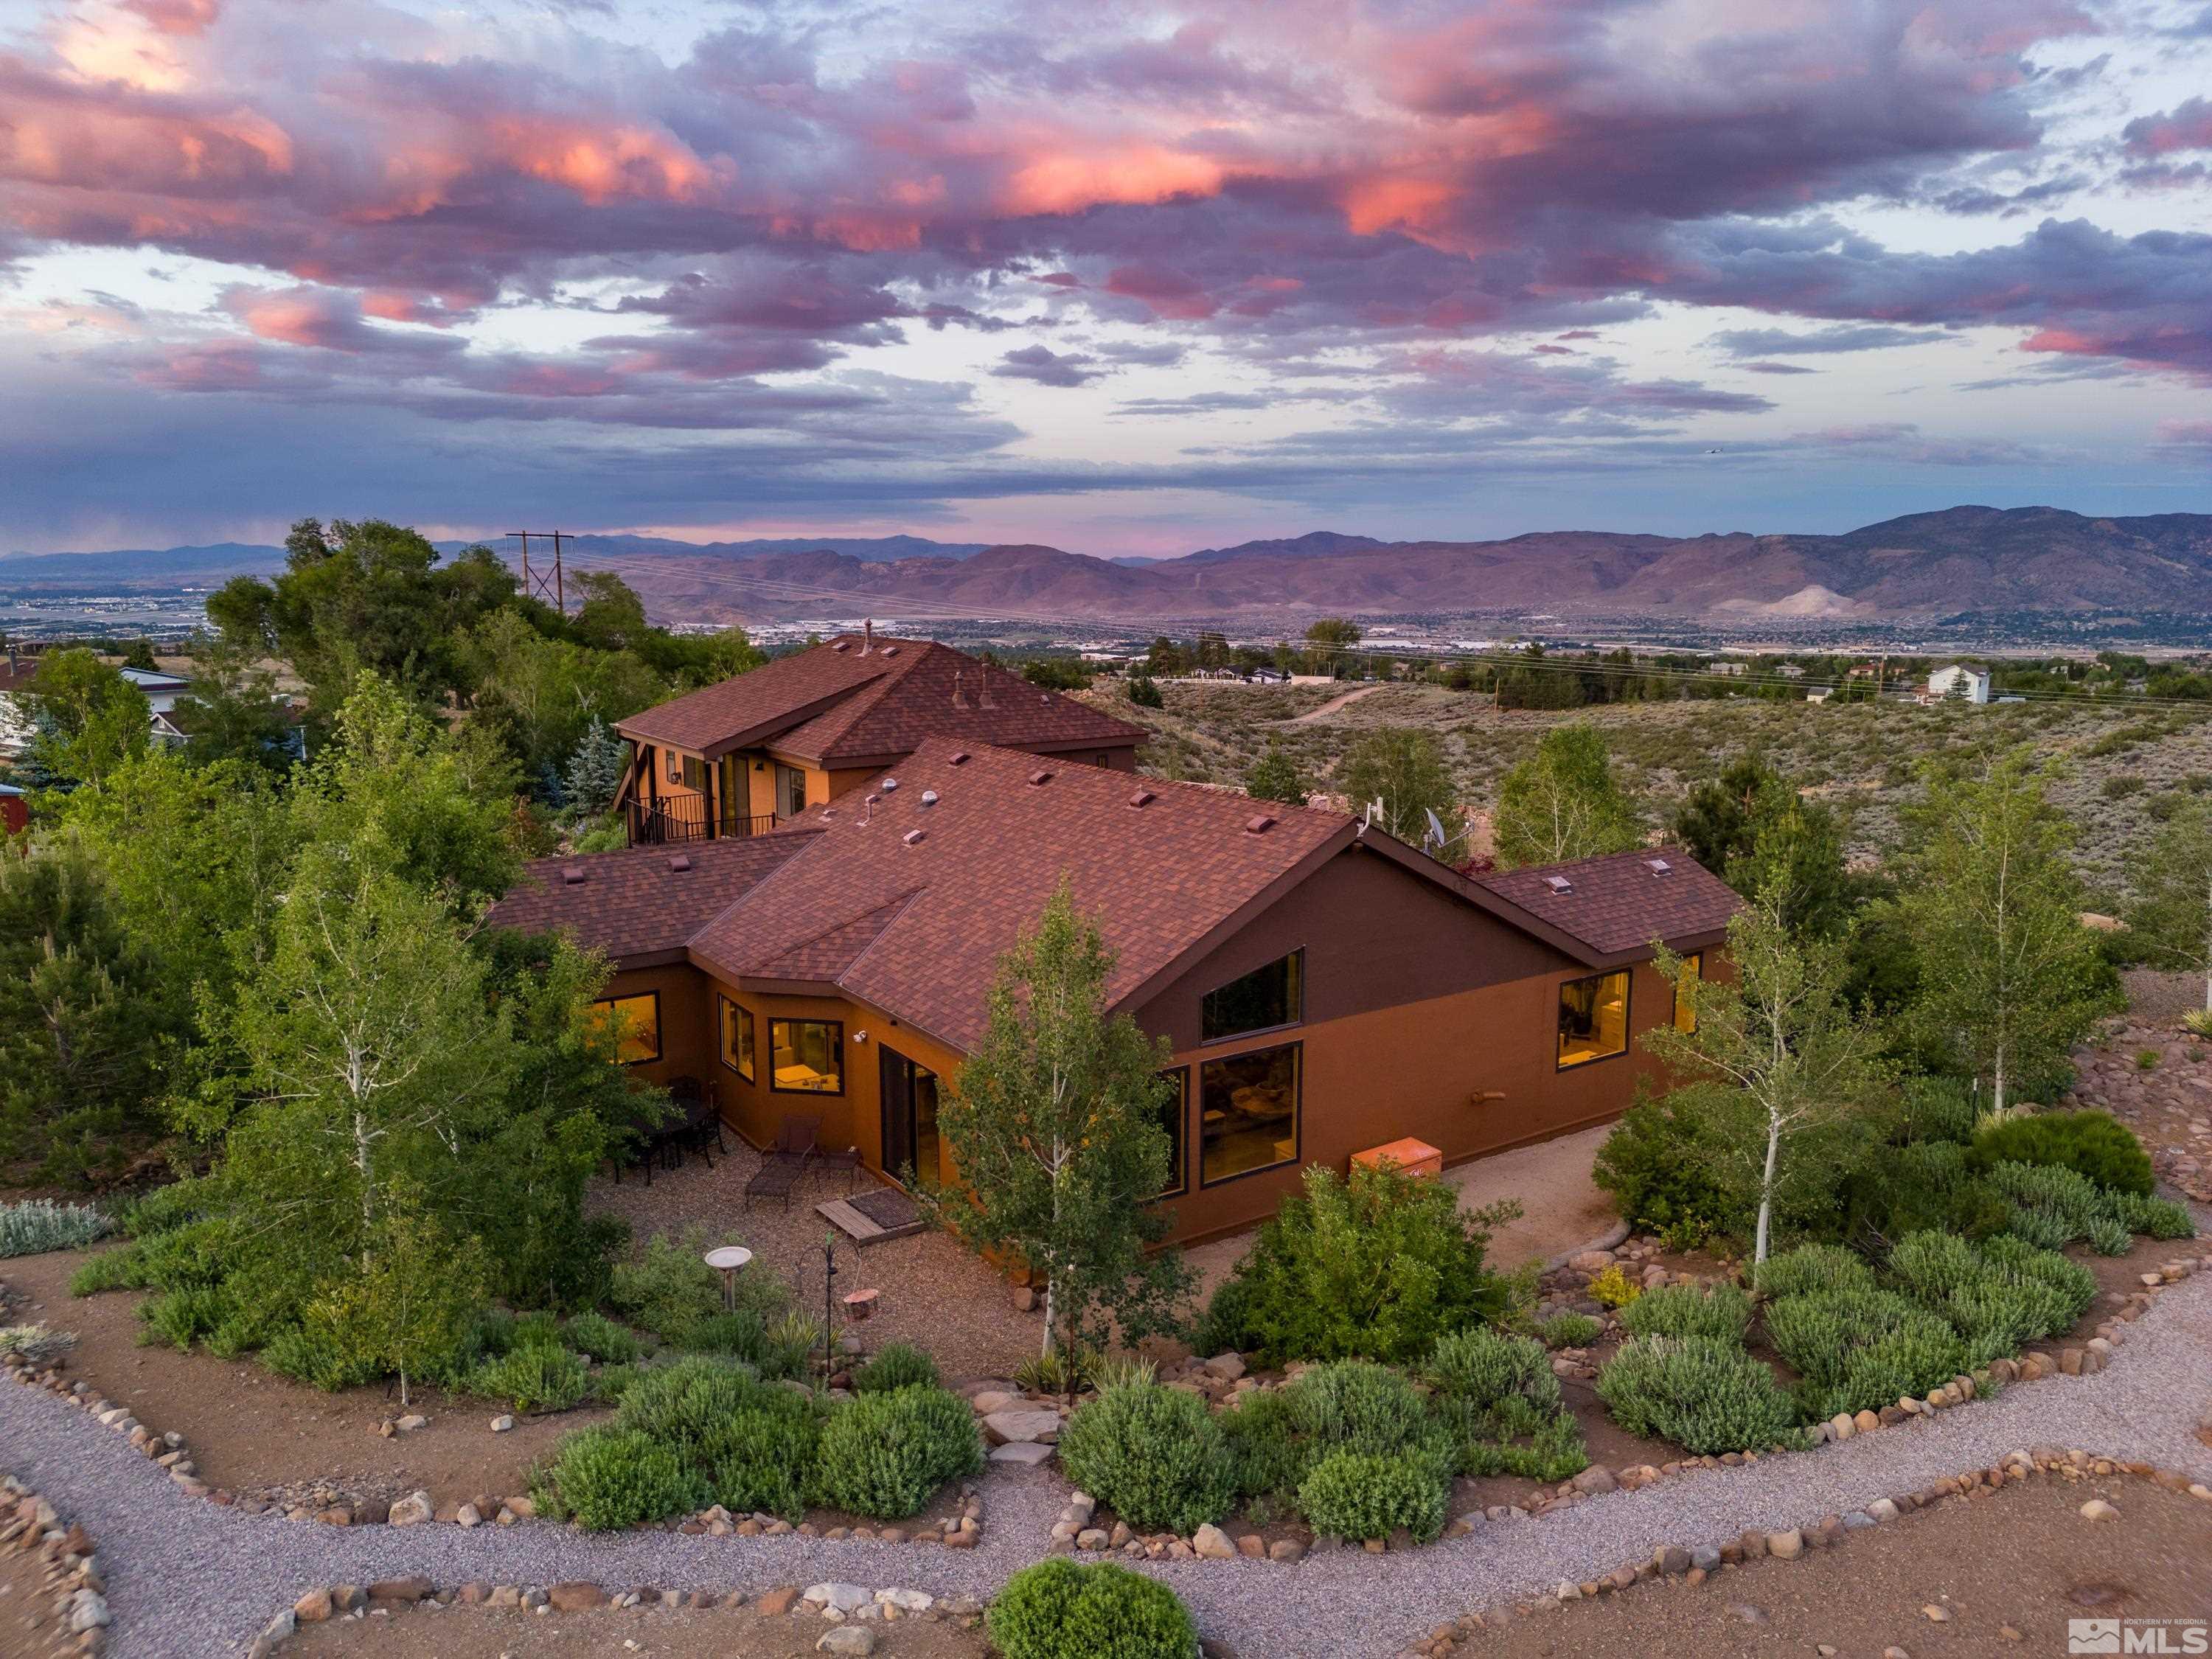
(1125, 278)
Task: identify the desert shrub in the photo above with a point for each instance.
(533, 1378)
(1498, 1403)
(1718, 1311)
(1226, 1323)
(2095, 1145)
(606, 1477)
(1811, 1267)
(314, 1355)
(535, 1330)
(1058, 1610)
(596, 1337)
(119, 1269)
(34, 1344)
(764, 1453)
(1377, 1267)
(1936, 1109)
(2053, 1206)
(2159, 1218)
(1859, 1350)
(885, 1454)
(1933, 1265)
(1706, 1395)
(184, 1316)
(38, 1224)
(1155, 1456)
(1570, 1330)
(1361, 1495)
(2107, 1236)
(1352, 1406)
(900, 1365)
(1922, 1185)
(2019, 1263)
(1266, 1457)
(1487, 1367)
(611, 1382)
(1658, 1165)
(1614, 1288)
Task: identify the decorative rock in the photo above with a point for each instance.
(502, 1424)
(2098, 1510)
(994, 1399)
(1013, 1426)
(313, 1607)
(1286, 1549)
(1024, 1298)
(408, 1590)
(1865, 1421)
(1595, 1479)
(847, 1639)
(412, 1510)
(776, 1602)
(1934, 1614)
(1591, 1262)
(575, 1595)
(1840, 1426)
(1212, 1544)
(1672, 1559)
(469, 1516)
(1785, 1546)
(1028, 1453)
(412, 1422)
(907, 1601)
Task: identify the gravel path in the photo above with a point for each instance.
(188, 1578)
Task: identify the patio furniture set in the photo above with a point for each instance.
(695, 1127)
(796, 1153)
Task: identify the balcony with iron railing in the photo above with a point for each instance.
(685, 818)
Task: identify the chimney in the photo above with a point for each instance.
(867, 636)
(959, 692)
(983, 690)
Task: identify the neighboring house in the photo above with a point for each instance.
(1819, 693)
(763, 748)
(1790, 671)
(1734, 670)
(15, 811)
(1323, 988)
(1961, 680)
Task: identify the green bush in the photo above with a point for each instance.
(1226, 1324)
(607, 1477)
(1861, 1350)
(1811, 1267)
(313, 1355)
(533, 1377)
(1058, 1610)
(754, 1444)
(1706, 1395)
(119, 1269)
(38, 1224)
(1923, 1185)
(1353, 1405)
(2053, 1204)
(885, 1454)
(2109, 1237)
(1936, 1109)
(1570, 1330)
(1266, 1456)
(596, 1337)
(1933, 1265)
(1657, 1165)
(1378, 1267)
(1718, 1311)
(1362, 1495)
(1487, 1367)
(1499, 1402)
(1154, 1456)
(2093, 1145)
(2075, 1285)
(2159, 1217)
(184, 1316)
(534, 1330)
(900, 1365)
(672, 1290)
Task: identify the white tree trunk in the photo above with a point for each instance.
(1998, 1093)
(1766, 1187)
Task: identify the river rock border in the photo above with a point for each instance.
(1226, 1375)
(29, 1522)
(850, 1611)
(1694, 1563)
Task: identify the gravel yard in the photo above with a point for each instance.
(188, 1578)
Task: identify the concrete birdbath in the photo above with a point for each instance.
(726, 1260)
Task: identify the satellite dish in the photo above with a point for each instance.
(1436, 828)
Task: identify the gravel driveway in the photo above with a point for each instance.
(186, 1579)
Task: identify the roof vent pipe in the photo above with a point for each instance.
(959, 691)
(867, 636)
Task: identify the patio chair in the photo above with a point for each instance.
(848, 1160)
(700, 1127)
(645, 1147)
(785, 1163)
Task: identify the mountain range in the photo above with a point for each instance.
(2036, 559)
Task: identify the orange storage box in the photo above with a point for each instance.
(1414, 1157)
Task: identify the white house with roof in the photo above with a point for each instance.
(1963, 681)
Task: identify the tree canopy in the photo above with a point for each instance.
(1563, 802)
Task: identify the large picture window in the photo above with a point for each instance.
(636, 1022)
(1262, 1001)
(807, 1056)
(1686, 1017)
(1593, 1019)
(738, 1038)
(1248, 1113)
(1175, 1115)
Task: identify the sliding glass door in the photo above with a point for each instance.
(910, 1118)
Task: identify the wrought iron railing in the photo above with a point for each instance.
(683, 819)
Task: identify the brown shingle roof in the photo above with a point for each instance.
(924, 897)
(1615, 905)
(635, 903)
(840, 705)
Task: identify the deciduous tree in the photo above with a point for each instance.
(2172, 919)
(1405, 768)
(1563, 802)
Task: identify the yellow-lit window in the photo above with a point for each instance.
(1248, 1113)
(1686, 1017)
(636, 1021)
(1593, 1019)
(807, 1056)
(736, 1038)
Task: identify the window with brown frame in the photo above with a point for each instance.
(737, 1037)
(1265, 999)
(790, 792)
(1174, 1117)
(1686, 1017)
(1593, 1019)
(1248, 1113)
(636, 1022)
(806, 1056)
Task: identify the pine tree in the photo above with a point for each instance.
(595, 769)
(1277, 776)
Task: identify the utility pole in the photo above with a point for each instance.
(537, 584)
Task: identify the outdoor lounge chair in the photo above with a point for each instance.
(786, 1160)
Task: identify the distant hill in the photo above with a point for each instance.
(1929, 564)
